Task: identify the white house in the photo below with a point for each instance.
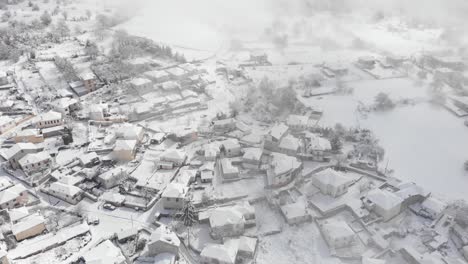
(49, 119)
(211, 152)
(331, 182)
(289, 145)
(432, 207)
(105, 252)
(295, 213)
(157, 76)
(125, 150)
(337, 233)
(274, 136)
(35, 163)
(98, 112)
(252, 158)
(142, 85)
(282, 170)
(231, 148)
(226, 222)
(228, 171)
(174, 196)
(384, 203)
(130, 132)
(30, 226)
(317, 145)
(14, 196)
(220, 254)
(68, 193)
(112, 178)
(224, 125)
(175, 156)
(66, 105)
(163, 241)
(19, 150)
(6, 123)
(298, 122)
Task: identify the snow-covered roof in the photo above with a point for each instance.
(174, 155)
(127, 232)
(27, 223)
(140, 81)
(34, 158)
(11, 193)
(297, 120)
(170, 85)
(224, 122)
(410, 189)
(252, 153)
(28, 132)
(227, 166)
(433, 204)
(112, 173)
(289, 142)
(104, 253)
(65, 102)
(222, 253)
(247, 244)
(156, 74)
(163, 234)
(231, 143)
(175, 190)
(318, 143)
(278, 130)
(176, 71)
(225, 216)
(337, 229)
(113, 197)
(283, 163)
(294, 210)
(130, 131)
(18, 147)
(18, 213)
(331, 177)
(65, 189)
(125, 145)
(384, 199)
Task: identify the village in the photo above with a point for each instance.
(118, 149)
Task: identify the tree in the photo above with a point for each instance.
(187, 214)
(383, 102)
(46, 19)
(336, 143)
(91, 50)
(35, 8)
(62, 29)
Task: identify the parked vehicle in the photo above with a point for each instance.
(109, 206)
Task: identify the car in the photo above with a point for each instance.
(92, 220)
(109, 206)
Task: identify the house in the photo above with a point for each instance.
(219, 254)
(125, 150)
(105, 252)
(207, 172)
(177, 73)
(289, 145)
(163, 241)
(157, 76)
(411, 193)
(112, 178)
(384, 203)
(228, 171)
(317, 146)
(3, 78)
(282, 169)
(274, 136)
(19, 150)
(4, 257)
(30, 226)
(295, 213)
(127, 234)
(98, 112)
(226, 222)
(14, 196)
(54, 131)
(68, 193)
(395, 61)
(6, 123)
(211, 152)
(246, 247)
(158, 138)
(28, 136)
(224, 125)
(174, 196)
(432, 207)
(231, 148)
(89, 81)
(331, 182)
(259, 57)
(17, 214)
(169, 86)
(89, 159)
(337, 233)
(366, 62)
(298, 122)
(337, 69)
(66, 105)
(34, 163)
(130, 132)
(175, 156)
(142, 85)
(252, 158)
(78, 87)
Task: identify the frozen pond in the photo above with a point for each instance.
(423, 143)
